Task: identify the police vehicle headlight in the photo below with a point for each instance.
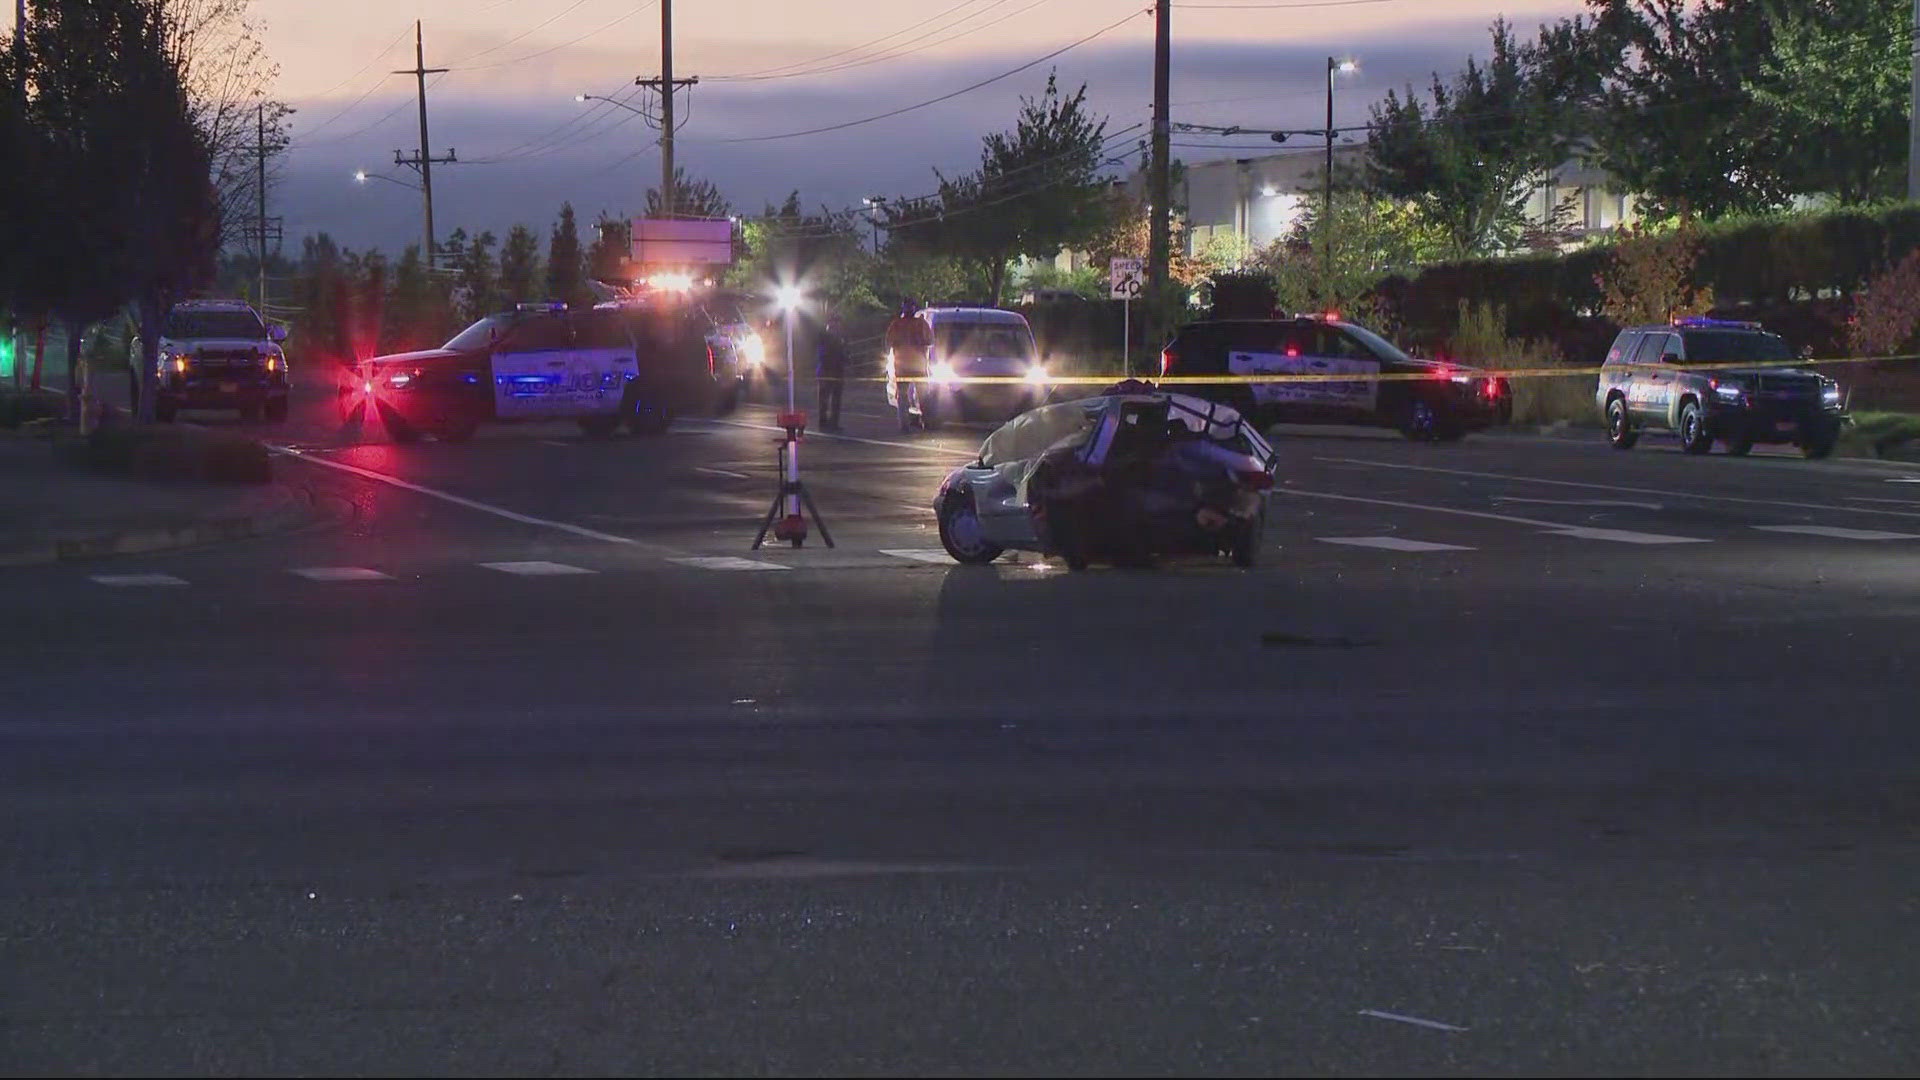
(943, 372)
(752, 349)
(1037, 373)
(1830, 394)
(400, 380)
(1733, 393)
(179, 364)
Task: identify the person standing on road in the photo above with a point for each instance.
(909, 340)
(830, 372)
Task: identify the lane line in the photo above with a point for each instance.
(1414, 1020)
(1557, 528)
(537, 568)
(136, 581)
(1832, 533)
(925, 555)
(727, 562)
(1621, 488)
(1389, 543)
(342, 573)
(1577, 502)
(471, 504)
(722, 472)
(556, 442)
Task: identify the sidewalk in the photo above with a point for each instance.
(52, 511)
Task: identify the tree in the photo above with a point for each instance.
(476, 274)
(821, 252)
(520, 272)
(216, 47)
(1675, 117)
(566, 263)
(1649, 279)
(1463, 156)
(1038, 190)
(1835, 88)
(419, 312)
(1372, 237)
(691, 198)
(611, 256)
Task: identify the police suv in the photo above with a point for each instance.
(216, 354)
(601, 368)
(1711, 379)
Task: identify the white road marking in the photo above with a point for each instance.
(342, 573)
(727, 562)
(1389, 543)
(1558, 528)
(137, 580)
(535, 568)
(1904, 480)
(926, 555)
(1626, 490)
(471, 504)
(1414, 1020)
(722, 472)
(1837, 534)
(1577, 502)
(555, 442)
(1626, 536)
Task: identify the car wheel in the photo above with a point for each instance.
(456, 431)
(1248, 536)
(1693, 430)
(1819, 444)
(601, 426)
(1740, 445)
(960, 532)
(277, 411)
(1620, 432)
(397, 426)
(729, 400)
(643, 416)
(1420, 423)
(253, 414)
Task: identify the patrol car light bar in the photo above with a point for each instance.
(1703, 321)
(555, 306)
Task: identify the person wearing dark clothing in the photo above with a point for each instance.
(830, 372)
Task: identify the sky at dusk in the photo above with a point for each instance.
(773, 66)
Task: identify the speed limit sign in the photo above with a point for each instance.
(1128, 279)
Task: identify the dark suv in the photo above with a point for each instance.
(1425, 399)
(1692, 378)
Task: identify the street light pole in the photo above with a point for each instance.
(875, 202)
(1326, 207)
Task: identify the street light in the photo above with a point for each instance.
(874, 203)
(612, 101)
(1334, 67)
(361, 176)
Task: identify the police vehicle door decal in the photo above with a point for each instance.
(1359, 394)
(603, 362)
(532, 369)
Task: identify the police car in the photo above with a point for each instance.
(600, 367)
(736, 352)
(1692, 377)
(1424, 399)
(216, 354)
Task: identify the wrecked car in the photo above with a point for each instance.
(1123, 478)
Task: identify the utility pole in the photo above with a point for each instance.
(666, 107)
(260, 148)
(1160, 168)
(1913, 116)
(20, 88)
(423, 162)
(1326, 207)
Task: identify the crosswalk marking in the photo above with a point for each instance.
(1389, 543)
(727, 562)
(1624, 536)
(137, 580)
(926, 555)
(1833, 533)
(342, 573)
(535, 568)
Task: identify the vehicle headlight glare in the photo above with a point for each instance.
(1830, 393)
(1730, 391)
(180, 364)
(753, 350)
(943, 372)
(1037, 373)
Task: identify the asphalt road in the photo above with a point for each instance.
(1518, 756)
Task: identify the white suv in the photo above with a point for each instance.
(217, 354)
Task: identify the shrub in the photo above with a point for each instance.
(1482, 340)
(1887, 315)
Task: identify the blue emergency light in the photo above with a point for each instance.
(553, 306)
(1724, 324)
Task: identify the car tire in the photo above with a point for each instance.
(456, 431)
(1820, 444)
(1421, 422)
(729, 401)
(960, 532)
(397, 426)
(253, 414)
(1694, 438)
(601, 426)
(1740, 445)
(277, 411)
(1621, 434)
(643, 417)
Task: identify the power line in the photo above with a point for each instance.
(944, 97)
(1283, 6)
(550, 19)
(597, 31)
(381, 55)
(766, 72)
(901, 50)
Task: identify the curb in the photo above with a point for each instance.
(297, 511)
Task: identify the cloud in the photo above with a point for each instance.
(542, 148)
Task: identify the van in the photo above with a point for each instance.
(972, 343)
